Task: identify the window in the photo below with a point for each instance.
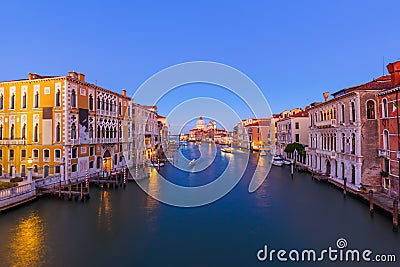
(353, 143)
(98, 102)
(1, 101)
(370, 109)
(106, 105)
(90, 131)
(36, 100)
(91, 151)
(120, 147)
(343, 112)
(90, 102)
(343, 142)
(35, 168)
(36, 133)
(23, 171)
(46, 154)
(98, 131)
(57, 169)
(57, 154)
(1, 154)
(73, 131)
(74, 153)
(386, 141)
(24, 101)
(119, 109)
(297, 138)
(73, 98)
(23, 155)
(11, 154)
(12, 101)
(58, 98)
(353, 112)
(386, 165)
(91, 164)
(1, 132)
(74, 167)
(58, 132)
(36, 154)
(384, 108)
(98, 162)
(23, 131)
(12, 132)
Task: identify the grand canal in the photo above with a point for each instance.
(126, 227)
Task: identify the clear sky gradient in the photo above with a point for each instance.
(293, 50)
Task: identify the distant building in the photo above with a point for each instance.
(208, 132)
(253, 133)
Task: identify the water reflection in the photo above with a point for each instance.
(104, 213)
(27, 244)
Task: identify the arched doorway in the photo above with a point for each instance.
(107, 161)
(328, 168)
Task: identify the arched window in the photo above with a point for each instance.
(343, 142)
(73, 98)
(36, 100)
(90, 131)
(73, 131)
(353, 112)
(103, 135)
(58, 132)
(106, 108)
(334, 142)
(90, 102)
(384, 108)
(107, 132)
(120, 132)
(353, 143)
(23, 131)
(1, 101)
(12, 101)
(58, 98)
(386, 141)
(343, 112)
(24, 100)
(102, 104)
(370, 109)
(36, 133)
(115, 132)
(12, 132)
(98, 132)
(98, 102)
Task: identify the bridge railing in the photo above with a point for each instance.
(16, 191)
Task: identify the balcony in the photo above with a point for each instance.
(13, 142)
(328, 153)
(326, 123)
(383, 153)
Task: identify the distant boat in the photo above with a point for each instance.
(155, 164)
(263, 152)
(227, 149)
(277, 161)
(192, 162)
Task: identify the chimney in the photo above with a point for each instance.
(123, 92)
(73, 74)
(326, 96)
(81, 77)
(31, 76)
(394, 70)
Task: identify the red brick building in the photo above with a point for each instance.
(388, 151)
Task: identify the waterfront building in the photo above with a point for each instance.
(64, 124)
(292, 128)
(343, 135)
(274, 132)
(253, 133)
(149, 120)
(388, 131)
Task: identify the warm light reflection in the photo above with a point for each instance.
(154, 190)
(27, 246)
(104, 213)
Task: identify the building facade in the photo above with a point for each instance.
(343, 135)
(388, 132)
(64, 124)
(292, 129)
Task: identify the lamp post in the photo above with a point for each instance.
(30, 169)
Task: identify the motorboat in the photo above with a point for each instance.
(277, 161)
(157, 164)
(192, 162)
(227, 149)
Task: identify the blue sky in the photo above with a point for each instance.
(293, 50)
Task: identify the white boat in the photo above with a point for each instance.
(263, 153)
(192, 162)
(227, 149)
(277, 161)
(156, 164)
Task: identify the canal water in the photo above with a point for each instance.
(126, 227)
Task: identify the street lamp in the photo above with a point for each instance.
(30, 169)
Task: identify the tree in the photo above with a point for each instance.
(296, 146)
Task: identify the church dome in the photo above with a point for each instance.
(201, 124)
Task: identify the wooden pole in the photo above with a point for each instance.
(81, 192)
(69, 189)
(59, 190)
(77, 185)
(395, 215)
(345, 186)
(371, 202)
